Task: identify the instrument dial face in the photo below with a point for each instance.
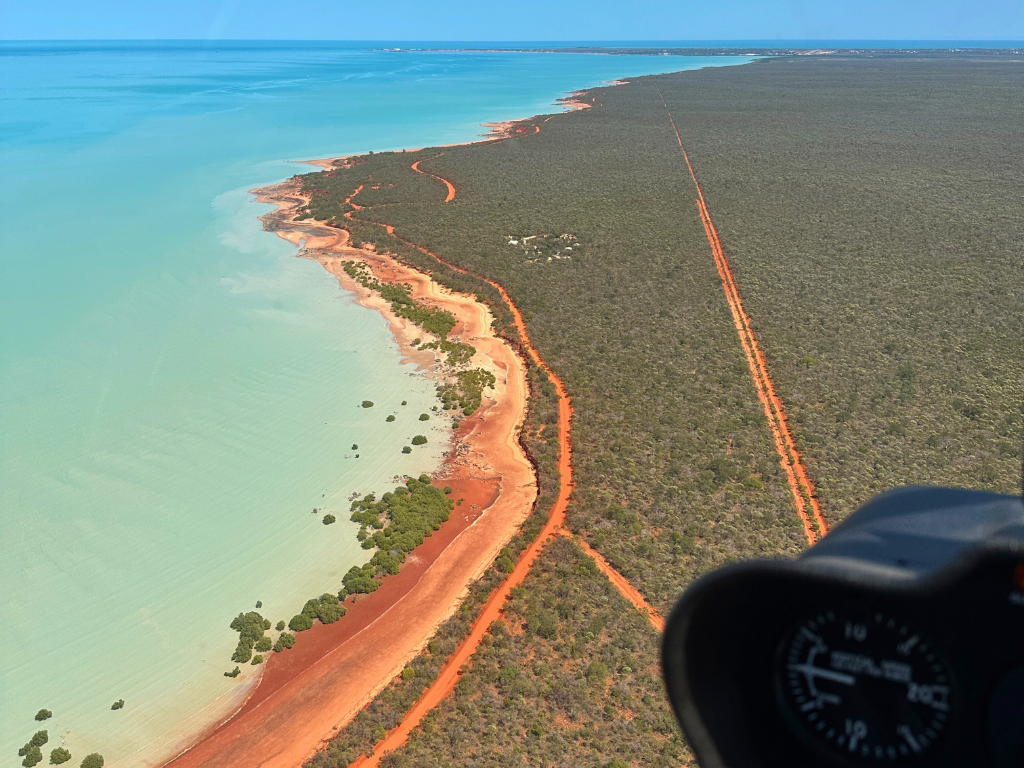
(864, 686)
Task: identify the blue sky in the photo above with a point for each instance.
(522, 20)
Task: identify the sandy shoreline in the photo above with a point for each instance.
(305, 695)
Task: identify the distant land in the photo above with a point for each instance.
(819, 50)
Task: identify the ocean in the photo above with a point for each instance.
(178, 392)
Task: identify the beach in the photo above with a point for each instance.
(308, 693)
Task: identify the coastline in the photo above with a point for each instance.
(314, 689)
(280, 685)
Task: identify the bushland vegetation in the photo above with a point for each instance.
(676, 472)
(871, 211)
(868, 208)
(565, 678)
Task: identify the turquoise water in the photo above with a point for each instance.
(179, 391)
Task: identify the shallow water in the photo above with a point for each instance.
(179, 391)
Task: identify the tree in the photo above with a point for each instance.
(280, 626)
(119, 704)
(367, 403)
(243, 652)
(424, 417)
(390, 418)
(406, 449)
(286, 640)
(257, 659)
(264, 644)
(59, 756)
(95, 760)
(40, 738)
(43, 714)
(33, 755)
(597, 672)
(419, 440)
(328, 519)
(300, 623)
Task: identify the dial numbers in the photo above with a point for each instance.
(864, 686)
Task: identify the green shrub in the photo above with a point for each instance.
(328, 519)
(408, 673)
(424, 417)
(597, 672)
(280, 626)
(390, 418)
(406, 449)
(327, 608)
(283, 642)
(264, 644)
(467, 391)
(419, 440)
(33, 755)
(243, 652)
(300, 623)
(40, 738)
(59, 756)
(257, 659)
(233, 673)
(367, 403)
(43, 714)
(95, 760)
(119, 704)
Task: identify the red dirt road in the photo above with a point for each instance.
(619, 581)
(800, 484)
(491, 611)
(451, 187)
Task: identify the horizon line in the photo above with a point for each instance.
(600, 43)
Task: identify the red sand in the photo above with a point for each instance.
(308, 693)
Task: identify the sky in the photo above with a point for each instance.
(524, 20)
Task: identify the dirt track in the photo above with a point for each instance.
(800, 484)
(450, 673)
